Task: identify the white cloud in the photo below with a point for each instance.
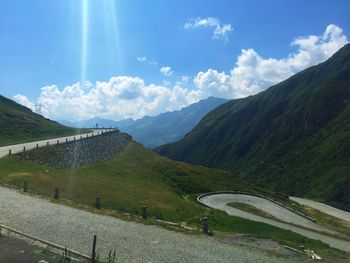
(220, 31)
(123, 96)
(166, 71)
(23, 100)
(146, 61)
(141, 59)
(183, 80)
(253, 73)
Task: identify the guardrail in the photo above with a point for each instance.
(54, 141)
(45, 242)
(257, 195)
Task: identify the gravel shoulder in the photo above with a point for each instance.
(221, 201)
(133, 242)
(323, 208)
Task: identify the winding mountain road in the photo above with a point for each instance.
(294, 222)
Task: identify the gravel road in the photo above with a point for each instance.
(220, 201)
(16, 148)
(133, 242)
(323, 208)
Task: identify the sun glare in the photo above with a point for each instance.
(84, 44)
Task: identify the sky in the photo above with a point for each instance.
(129, 58)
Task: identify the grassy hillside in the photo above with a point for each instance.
(137, 177)
(293, 137)
(19, 124)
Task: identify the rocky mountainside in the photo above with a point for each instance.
(79, 152)
(294, 137)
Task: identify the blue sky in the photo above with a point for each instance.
(146, 57)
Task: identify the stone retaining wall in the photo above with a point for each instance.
(79, 152)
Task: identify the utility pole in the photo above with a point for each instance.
(38, 107)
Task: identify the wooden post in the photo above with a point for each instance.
(97, 203)
(47, 143)
(37, 146)
(25, 186)
(56, 194)
(66, 139)
(74, 138)
(58, 141)
(24, 148)
(93, 256)
(144, 212)
(81, 137)
(205, 225)
(10, 151)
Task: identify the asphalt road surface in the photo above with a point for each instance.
(221, 201)
(16, 148)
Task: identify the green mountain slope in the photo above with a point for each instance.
(19, 124)
(293, 137)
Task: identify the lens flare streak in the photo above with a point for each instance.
(84, 45)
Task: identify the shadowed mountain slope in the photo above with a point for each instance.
(294, 137)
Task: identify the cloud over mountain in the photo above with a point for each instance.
(123, 96)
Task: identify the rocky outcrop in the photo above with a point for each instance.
(80, 152)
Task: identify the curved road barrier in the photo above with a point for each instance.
(291, 220)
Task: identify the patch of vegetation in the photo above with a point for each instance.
(19, 124)
(329, 221)
(252, 209)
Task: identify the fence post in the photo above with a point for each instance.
(37, 146)
(93, 256)
(97, 203)
(47, 143)
(205, 225)
(24, 148)
(74, 138)
(144, 212)
(66, 139)
(25, 186)
(56, 194)
(10, 151)
(58, 142)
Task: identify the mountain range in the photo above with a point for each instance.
(294, 137)
(157, 130)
